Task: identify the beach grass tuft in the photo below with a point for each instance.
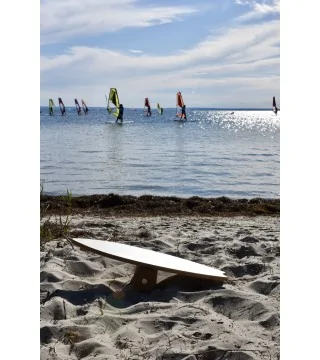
(59, 226)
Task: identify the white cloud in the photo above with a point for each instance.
(259, 8)
(245, 43)
(134, 51)
(242, 2)
(64, 19)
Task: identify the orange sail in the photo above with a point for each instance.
(180, 107)
(180, 102)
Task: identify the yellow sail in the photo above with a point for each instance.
(113, 102)
(51, 106)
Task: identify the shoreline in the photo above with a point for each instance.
(149, 205)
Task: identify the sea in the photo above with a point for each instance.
(216, 152)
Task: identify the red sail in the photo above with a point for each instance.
(146, 102)
(179, 99)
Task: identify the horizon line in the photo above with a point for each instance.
(173, 108)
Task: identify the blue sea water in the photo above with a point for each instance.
(215, 153)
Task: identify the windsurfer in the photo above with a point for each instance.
(183, 112)
(149, 111)
(274, 106)
(120, 115)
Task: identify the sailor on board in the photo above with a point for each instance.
(120, 115)
(183, 112)
(149, 111)
(274, 106)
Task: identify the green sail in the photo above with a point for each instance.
(160, 109)
(51, 106)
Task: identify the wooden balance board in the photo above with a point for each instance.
(148, 262)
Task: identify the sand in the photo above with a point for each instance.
(89, 309)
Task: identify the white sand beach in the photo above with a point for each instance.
(89, 309)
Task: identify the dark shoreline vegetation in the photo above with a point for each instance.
(56, 212)
(149, 205)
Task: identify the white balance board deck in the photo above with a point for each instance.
(149, 261)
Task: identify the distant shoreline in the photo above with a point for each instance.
(149, 205)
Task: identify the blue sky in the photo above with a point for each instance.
(218, 53)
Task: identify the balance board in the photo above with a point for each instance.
(148, 262)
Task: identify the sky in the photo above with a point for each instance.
(218, 53)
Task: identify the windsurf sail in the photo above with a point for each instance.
(51, 107)
(181, 113)
(147, 107)
(160, 109)
(84, 107)
(113, 102)
(77, 106)
(107, 101)
(62, 107)
(274, 105)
